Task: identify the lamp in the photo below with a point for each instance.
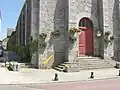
(99, 34)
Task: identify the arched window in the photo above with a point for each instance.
(85, 22)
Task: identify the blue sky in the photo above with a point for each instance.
(10, 10)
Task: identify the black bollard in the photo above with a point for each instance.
(56, 77)
(119, 73)
(92, 75)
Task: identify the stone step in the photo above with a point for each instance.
(95, 65)
(66, 65)
(89, 60)
(86, 63)
(103, 64)
(90, 63)
(96, 61)
(70, 62)
(59, 69)
(89, 68)
(60, 66)
(88, 57)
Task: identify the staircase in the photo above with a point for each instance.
(86, 63)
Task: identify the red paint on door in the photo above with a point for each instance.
(89, 42)
(86, 39)
(82, 43)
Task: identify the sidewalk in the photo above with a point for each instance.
(26, 76)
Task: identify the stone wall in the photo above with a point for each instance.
(48, 16)
(116, 29)
(34, 27)
(35, 18)
(93, 9)
(111, 24)
(105, 17)
(55, 13)
(108, 6)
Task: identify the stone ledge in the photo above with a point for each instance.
(71, 69)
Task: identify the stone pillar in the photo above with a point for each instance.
(116, 29)
(108, 27)
(18, 33)
(61, 25)
(26, 24)
(22, 26)
(34, 18)
(34, 27)
(55, 13)
(97, 12)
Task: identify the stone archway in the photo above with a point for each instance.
(86, 44)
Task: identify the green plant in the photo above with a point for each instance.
(23, 52)
(30, 39)
(55, 34)
(99, 33)
(72, 39)
(43, 36)
(34, 46)
(73, 30)
(107, 33)
(107, 40)
(43, 45)
(41, 41)
(26, 51)
(111, 38)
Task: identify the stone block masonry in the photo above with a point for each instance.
(50, 16)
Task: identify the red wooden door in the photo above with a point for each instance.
(82, 43)
(89, 41)
(86, 38)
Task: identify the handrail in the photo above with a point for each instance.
(47, 60)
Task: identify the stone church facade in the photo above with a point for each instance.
(100, 17)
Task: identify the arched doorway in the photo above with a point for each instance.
(86, 37)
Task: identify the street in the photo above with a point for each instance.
(106, 84)
(14, 87)
(113, 84)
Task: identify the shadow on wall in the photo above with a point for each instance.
(97, 19)
(11, 44)
(61, 25)
(11, 47)
(116, 28)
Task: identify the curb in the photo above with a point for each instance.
(59, 82)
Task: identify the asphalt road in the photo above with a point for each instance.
(113, 84)
(15, 87)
